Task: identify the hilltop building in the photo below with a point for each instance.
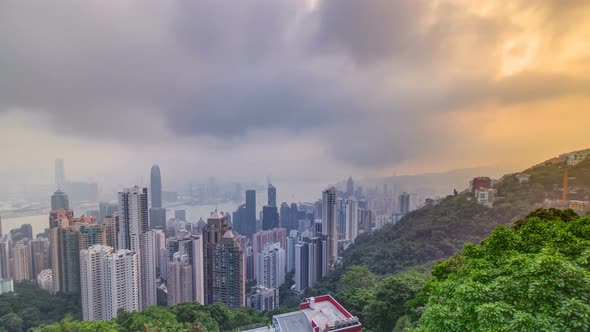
(316, 314)
(574, 158)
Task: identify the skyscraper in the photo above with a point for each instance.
(329, 223)
(157, 214)
(270, 217)
(134, 235)
(180, 285)
(240, 217)
(250, 222)
(272, 195)
(271, 266)
(39, 255)
(57, 219)
(294, 217)
(45, 280)
(109, 281)
(106, 210)
(192, 247)
(352, 219)
(5, 271)
(23, 268)
(72, 236)
(318, 254)
(160, 242)
(265, 299)
(156, 186)
(349, 187)
(311, 262)
(60, 174)
(180, 214)
(404, 203)
(158, 218)
(229, 272)
(284, 215)
(224, 265)
(60, 200)
(292, 239)
(109, 232)
(301, 267)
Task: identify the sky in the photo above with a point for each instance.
(307, 92)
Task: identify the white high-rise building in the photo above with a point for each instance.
(264, 298)
(23, 268)
(45, 280)
(5, 270)
(164, 263)
(109, 281)
(180, 280)
(329, 220)
(147, 280)
(160, 243)
(134, 235)
(197, 263)
(271, 266)
(352, 219)
(290, 252)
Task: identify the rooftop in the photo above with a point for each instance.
(228, 234)
(293, 321)
(326, 313)
(216, 215)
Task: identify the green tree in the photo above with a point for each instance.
(533, 277)
(390, 298)
(12, 322)
(152, 316)
(356, 300)
(195, 312)
(357, 276)
(69, 325)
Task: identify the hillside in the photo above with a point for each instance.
(533, 277)
(437, 231)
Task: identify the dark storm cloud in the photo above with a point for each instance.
(405, 32)
(363, 78)
(233, 108)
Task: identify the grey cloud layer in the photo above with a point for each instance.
(361, 77)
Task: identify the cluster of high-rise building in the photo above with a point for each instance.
(124, 253)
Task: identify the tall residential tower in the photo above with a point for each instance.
(329, 223)
(134, 235)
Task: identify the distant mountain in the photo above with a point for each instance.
(437, 231)
(435, 184)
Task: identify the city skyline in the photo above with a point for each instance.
(294, 165)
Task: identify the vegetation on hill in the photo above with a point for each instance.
(427, 235)
(189, 317)
(438, 230)
(532, 277)
(30, 306)
(546, 181)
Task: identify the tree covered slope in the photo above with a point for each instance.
(437, 231)
(532, 277)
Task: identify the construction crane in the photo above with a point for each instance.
(565, 183)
